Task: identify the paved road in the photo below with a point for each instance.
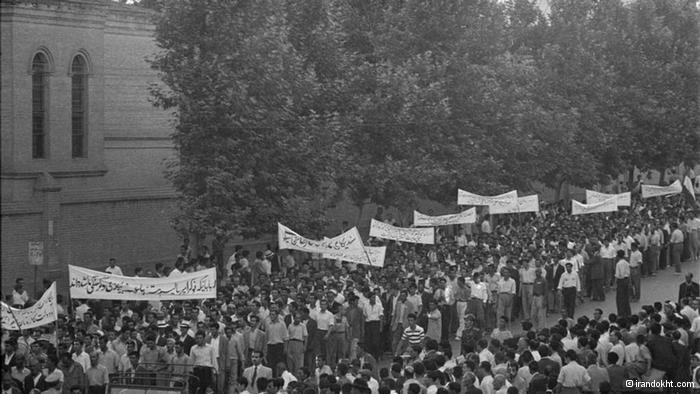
(662, 287)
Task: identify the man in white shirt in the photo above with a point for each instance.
(607, 254)
(373, 313)
(203, 361)
(677, 239)
(461, 239)
(635, 263)
(655, 239)
(19, 294)
(569, 285)
(506, 293)
(113, 268)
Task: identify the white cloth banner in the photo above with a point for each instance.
(349, 241)
(609, 205)
(466, 217)
(649, 191)
(505, 201)
(86, 283)
(688, 184)
(376, 256)
(623, 199)
(43, 312)
(525, 204)
(423, 235)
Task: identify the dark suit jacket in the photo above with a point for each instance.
(187, 343)
(8, 366)
(29, 384)
(538, 384)
(685, 290)
(472, 390)
(314, 342)
(548, 362)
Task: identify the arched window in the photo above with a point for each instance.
(40, 68)
(79, 106)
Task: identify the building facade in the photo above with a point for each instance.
(83, 150)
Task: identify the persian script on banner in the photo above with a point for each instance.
(649, 191)
(525, 204)
(43, 312)
(503, 201)
(623, 199)
(376, 256)
(609, 205)
(349, 241)
(86, 283)
(466, 217)
(423, 235)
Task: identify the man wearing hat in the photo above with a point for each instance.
(569, 285)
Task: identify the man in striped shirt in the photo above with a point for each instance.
(412, 335)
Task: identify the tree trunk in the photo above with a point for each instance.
(630, 178)
(662, 176)
(557, 191)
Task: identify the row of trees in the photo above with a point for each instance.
(284, 107)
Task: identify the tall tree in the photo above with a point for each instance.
(251, 150)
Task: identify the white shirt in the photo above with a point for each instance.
(608, 252)
(114, 270)
(569, 280)
(486, 355)
(83, 359)
(373, 312)
(19, 298)
(480, 291)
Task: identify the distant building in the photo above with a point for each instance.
(83, 149)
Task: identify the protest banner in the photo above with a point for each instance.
(649, 191)
(376, 255)
(349, 241)
(466, 217)
(502, 202)
(525, 204)
(44, 311)
(623, 199)
(423, 235)
(688, 184)
(609, 205)
(86, 283)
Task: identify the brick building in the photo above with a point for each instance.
(83, 149)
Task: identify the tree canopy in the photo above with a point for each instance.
(282, 108)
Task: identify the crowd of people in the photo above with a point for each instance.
(467, 315)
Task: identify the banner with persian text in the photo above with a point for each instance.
(376, 256)
(43, 312)
(349, 241)
(86, 283)
(502, 202)
(623, 199)
(466, 217)
(609, 205)
(649, 191)
(423, 235)
(525, 204)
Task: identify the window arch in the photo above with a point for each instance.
(79, 81)
(40, 70)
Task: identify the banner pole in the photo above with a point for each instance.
(9, 309)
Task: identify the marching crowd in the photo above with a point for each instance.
(297, 323)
